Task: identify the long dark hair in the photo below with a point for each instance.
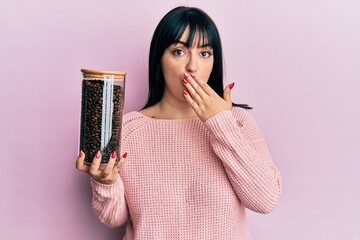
(170, 30)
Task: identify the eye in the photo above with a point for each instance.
(206, 54)
(178, 52)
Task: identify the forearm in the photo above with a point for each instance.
(247, 162)
(108, 203)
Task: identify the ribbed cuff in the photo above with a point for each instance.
(106, 189)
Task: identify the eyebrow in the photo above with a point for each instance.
(187, 45)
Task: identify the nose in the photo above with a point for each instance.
(192, 65)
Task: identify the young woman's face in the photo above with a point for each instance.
(178, 59)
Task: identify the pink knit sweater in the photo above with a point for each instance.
(185, 179)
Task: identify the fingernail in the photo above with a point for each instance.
(125, 155)
(113, 155)
(192, 75)
(98, 154)
(186, 75)
(81, 153)
(185, 92)
(231, 85)
(185, 81)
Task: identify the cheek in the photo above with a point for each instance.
(170, 69)
(208, 69)
(166, 66)
(171, 75)
(211, 64)
(166, 72)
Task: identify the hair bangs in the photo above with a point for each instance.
(198, 32)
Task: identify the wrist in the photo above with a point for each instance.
(107, 182)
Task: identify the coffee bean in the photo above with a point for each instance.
(102, 105)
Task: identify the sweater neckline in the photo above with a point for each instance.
(194, 119)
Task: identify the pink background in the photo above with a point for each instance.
(296, 62)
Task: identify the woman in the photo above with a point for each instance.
(196, 161)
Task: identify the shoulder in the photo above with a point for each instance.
(131, 117)
(241, 114)
(133, 121)
(237, 114)
(246, 121)
(134, 118)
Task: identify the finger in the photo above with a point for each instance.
(193, 103)
(194, 88)
(193, 93)
(109, 166)
(203, 85)
(227, 96)
(120, 162)
(80, 165)
(94, 167)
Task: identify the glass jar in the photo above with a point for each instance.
(102, 105)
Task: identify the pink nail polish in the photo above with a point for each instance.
(192, 75)
(185, 92)
(98, 154)
(231, 85)
(186, 75)
(185, 81)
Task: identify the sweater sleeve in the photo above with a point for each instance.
(239, 143)
(108, 203)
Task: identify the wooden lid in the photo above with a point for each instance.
(101, 74)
